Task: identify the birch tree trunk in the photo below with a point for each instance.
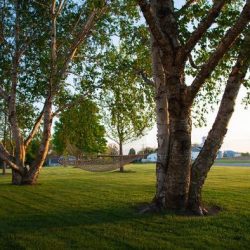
(206, 157)
(13, 121)
(31, 176)
(162, 126)
(179, 158)
(162, 19)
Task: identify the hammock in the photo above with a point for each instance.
(100, 163)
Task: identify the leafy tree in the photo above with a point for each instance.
(127, 101)
(147, 150)
(125, 124)
(245, 154)
(80, 128)
(132, 151)
(39, 42)
(196, 40)
(32, 151)
(120, 61)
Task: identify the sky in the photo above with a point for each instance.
(237, 138)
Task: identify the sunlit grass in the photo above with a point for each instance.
(75, 209)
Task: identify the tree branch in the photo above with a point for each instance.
(215, 137)
(60, 7)
(4, 154)
(68, 105)
(201, 29)
(34, 129)
(192, 63)
(80, 38)
(145, 78)
(152, 23)
(220, 51)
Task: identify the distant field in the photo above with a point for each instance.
(75, 209)
(234, 160)
(239, 161)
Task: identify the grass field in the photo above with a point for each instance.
(74, 209)
(233, 160)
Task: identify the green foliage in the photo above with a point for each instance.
(188, 20)
(132, 151)
(245, 154)
(34, 41)
(110, 72)
(32, 151)
(127, 100)
(146, 151)
(79, 131)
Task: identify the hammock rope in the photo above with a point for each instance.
(100, 163)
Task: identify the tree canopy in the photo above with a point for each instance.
(79, 130)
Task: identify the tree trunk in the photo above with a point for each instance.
(205, 159)
(163, 24)
(31, 177)
(121, 154)
(16, 178)
(162, 125)
(179, 162)
(4, 168)
(19, 160)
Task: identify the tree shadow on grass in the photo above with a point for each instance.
(67, 218)
(5, 175)
(124, 172)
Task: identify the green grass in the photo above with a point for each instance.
(232, 160)
(74, 209)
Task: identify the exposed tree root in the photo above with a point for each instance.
(199, 211)
(149, 208)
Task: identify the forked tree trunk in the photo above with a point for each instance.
(16, 178)
(205, 159)
(31, 177)
(163, 20)
(24, 176)
(162, 126)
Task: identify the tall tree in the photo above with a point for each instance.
(80, 127)
(128, 102)
(132, 151)
(114, 76)
(125, 122)
(176, 44)
(26, 28)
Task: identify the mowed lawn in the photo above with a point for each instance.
(74, 209)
